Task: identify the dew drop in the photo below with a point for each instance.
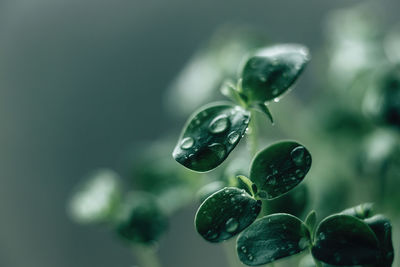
(244, 249)
(276, 99)
(233, 138)
(187, 143)
(231, 225)
(250, 257)
(297, 155)
(299, 173)
(219, 124)
(271, 180)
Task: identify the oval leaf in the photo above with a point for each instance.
(345, 240)
(97, 198)
(141, 219)
(225, 214)
(280, 167)
(382, 228)
(272, 71)
(271, 238)
(210, 135)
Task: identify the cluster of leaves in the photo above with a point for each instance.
(349, 238)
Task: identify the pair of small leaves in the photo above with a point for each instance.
(214, 131)
(350, 238)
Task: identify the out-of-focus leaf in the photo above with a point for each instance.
(345, 240)
(140, 219)
(383, 231)
(97, 198)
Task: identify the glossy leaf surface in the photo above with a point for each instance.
(280, 167)
(210, 135)
(345, 240)
(271, 238)
(225, 214)
(272, 71)
(141, 219)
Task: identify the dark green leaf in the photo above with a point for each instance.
(381, 100)
(383, 231)
(141, 219)
(271, 238)
(262, 107)
(272, 71)
(246, 184)
(280, 167)
(361, 211)
(311, 220)
(345, 240)
(225, 214)
(210, 135)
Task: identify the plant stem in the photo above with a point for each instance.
(146, 256)
(252, 134)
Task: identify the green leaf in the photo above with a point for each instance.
(263, 108)
(272, 71)
(382, 228)
(210, 135)
(280, 167)
(246, 184)
(361, 211)
(271, 238)
(345, 240)
(96, 198)
(381, 100)
(225, 214)
(141, 219)
(311, 221)
(229, 90)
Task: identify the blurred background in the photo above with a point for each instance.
(84, 82)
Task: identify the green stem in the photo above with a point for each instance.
(146, 256)
(252, 134)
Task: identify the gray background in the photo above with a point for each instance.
(82, 80)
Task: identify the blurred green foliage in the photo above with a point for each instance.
(348, 119)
